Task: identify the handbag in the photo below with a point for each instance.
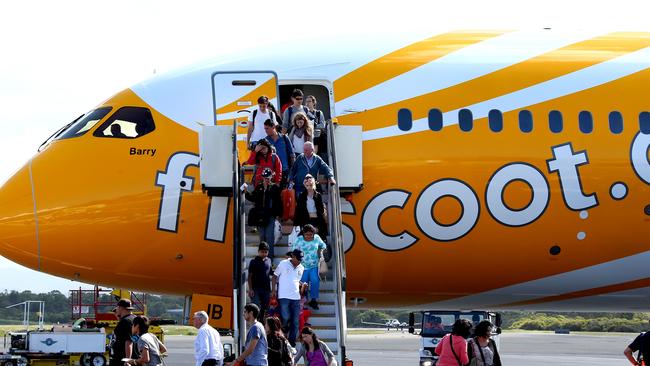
(475, 350)
(278, 231)
(294, 235)
(322, 266)
(288, 203)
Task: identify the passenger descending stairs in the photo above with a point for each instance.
(322, 320)
(329, 321)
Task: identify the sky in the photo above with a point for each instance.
(58, 59)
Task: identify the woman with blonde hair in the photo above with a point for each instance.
(302, 130)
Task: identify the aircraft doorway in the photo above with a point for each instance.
(321, 92)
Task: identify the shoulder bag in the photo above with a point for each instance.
(451, 345)
(476, 350)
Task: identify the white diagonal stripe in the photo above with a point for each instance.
(460, 66)
(574, 82)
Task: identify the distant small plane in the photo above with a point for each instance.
(391, 323)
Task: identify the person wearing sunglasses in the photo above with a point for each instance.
(296, 97)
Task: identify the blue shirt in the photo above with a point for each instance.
(310, 250)
(259, 355)
(282, 148)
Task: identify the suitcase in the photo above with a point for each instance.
(288, 203)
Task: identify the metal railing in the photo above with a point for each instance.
(338, 254)
(239, 248)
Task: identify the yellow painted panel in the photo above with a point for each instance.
(219, 309)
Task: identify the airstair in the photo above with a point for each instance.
(329, 321)
(222, 175)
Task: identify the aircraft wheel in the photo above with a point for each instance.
(9, 363)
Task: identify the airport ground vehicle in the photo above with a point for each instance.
(436, 324)
(73, 345)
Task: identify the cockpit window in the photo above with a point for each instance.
(127, 123)
(88, 121)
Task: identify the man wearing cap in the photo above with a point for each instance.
(122, 343)
(208, 349)
(267, 208)
(259, 279)
(287, 276)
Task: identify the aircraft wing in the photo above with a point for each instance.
(371, 323)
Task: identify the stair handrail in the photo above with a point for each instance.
(338, 255)
(239, 247)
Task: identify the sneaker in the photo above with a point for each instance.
(313, 303)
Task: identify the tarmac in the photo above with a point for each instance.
(517, 348)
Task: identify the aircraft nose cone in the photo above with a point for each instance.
(18, 237)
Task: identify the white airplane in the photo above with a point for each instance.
(390, 323)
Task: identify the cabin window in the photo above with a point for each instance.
(644, 122)
(127, 123)
(586, 122)
(435, 120)
(495, 120)
(465, 120)
(85, 123)
(525, 121)
(404, 119)
(616, 122)
(555, 123)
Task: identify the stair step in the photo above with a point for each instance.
(326, 297)
(326, 334)
(253, 240)
(324, 309)
(317, 322)
(332, 344)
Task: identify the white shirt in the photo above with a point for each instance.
(298, 144)
(258, 124)
(289, 280)
(311, 206)
(207, 345)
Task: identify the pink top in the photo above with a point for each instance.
(316, 358)
(443, 349)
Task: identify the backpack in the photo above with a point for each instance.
(288, 122)
(271, 114)
(316, 114)
(286, 353)
(282, 353)
(289, 115)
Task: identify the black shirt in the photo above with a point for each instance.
(122, 333)
(260, 269)
(642, 344)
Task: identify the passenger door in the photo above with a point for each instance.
(235, 98)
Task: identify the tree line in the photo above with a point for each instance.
(58, 307)
(58, 310)
(527, 320)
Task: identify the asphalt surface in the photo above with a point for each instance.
(397, 348)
